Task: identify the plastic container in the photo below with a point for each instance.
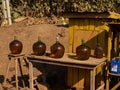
(115, 66)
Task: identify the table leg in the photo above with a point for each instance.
(92, 80)
(31, 76)
(44, 73)
(16, 73)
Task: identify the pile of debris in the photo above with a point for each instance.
(36, 21)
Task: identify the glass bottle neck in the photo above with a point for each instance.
(39, 38)
(57, 39)
(83, 42)
(15, 37)
(98, 44)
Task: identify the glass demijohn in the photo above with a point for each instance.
(98, 51)
(39, 47)
(57, 49)
(83, 51)
(16, 46)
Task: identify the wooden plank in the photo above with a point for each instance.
(69, 58)
(81, 24)
(88, 15)
(87, 80)
(91, 24)
(75, 77)
(81, 76)
(100, 26)
(86, 24)
(76, 24)
(98, 76)
(70, 76)
(116, 86)
(71, 39)
(118, 75)
(101, 87)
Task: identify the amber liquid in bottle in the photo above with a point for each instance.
(57, 49)
(98, 51)
(16, 46)
(39, 47)
(83, 51)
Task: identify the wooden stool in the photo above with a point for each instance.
(116, 85)
(16, 58)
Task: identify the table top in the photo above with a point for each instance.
(16, 55)
(69, 59)
(113, 74)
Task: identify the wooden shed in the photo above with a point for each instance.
(92, 26)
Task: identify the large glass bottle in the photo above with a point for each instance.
(16, 46)
(57, 49)
(39, 47)
(83, 51)
(98, 51)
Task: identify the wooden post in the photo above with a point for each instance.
(109, 57)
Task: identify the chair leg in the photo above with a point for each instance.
(21, 72)
(116, 86)
(7, 70)
(16, 73)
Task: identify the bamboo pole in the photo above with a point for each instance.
(4, 10)
(8, 12)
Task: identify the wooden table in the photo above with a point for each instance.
(68, 60)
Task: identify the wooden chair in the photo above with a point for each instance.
(116, 85)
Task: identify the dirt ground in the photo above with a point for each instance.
(28, 34)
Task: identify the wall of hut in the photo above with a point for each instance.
(93, 31)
